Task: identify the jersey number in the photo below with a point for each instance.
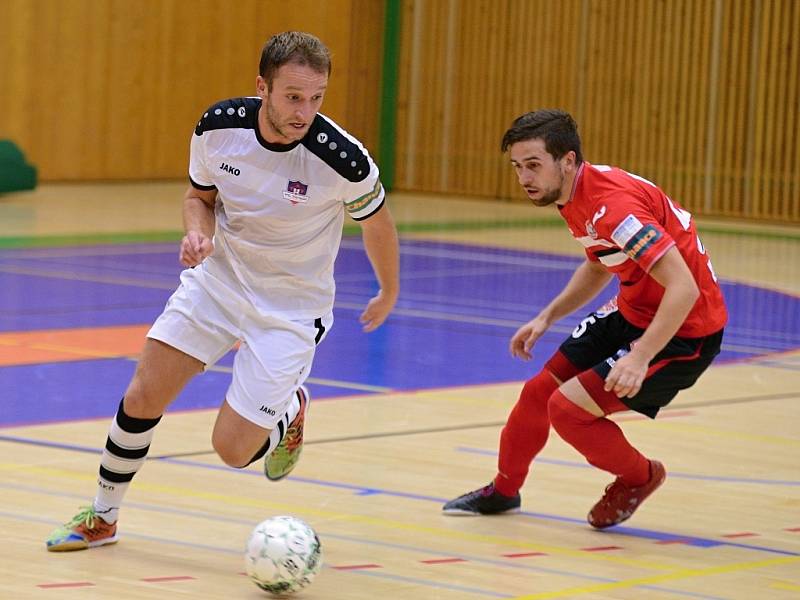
(590, 320)
(685, 219)
(684, 216)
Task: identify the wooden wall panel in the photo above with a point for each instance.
(363, 69)
(111, 89)
(701, 96)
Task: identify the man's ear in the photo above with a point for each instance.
(261, 87)
(570, 159)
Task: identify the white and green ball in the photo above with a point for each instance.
(283, 555)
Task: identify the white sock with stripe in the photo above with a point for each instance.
(126, 451)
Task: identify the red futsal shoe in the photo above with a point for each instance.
(620, 501)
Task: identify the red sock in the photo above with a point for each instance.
(600, 440)
(525, 433)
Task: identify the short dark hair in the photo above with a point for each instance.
(293, 47)
(555, 127)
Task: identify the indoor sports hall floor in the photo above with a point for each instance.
(401, 420)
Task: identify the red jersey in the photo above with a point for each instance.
(627, 223)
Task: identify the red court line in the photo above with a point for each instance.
(741, 535)
(792, 529)
(442, 561)
(523, 554)
(601, 548)
(678, 541)
(73, 584)
(172, 578)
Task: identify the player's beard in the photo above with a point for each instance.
(548, 198)
(276, 127)
(552, 195)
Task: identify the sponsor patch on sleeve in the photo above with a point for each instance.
(637, 245)
(629, 227)
(354, 206)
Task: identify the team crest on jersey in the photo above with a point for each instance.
(599, 214)
(296, 192)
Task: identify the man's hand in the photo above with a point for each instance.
(627, 375)
(194, 248)
(377, 310)
(526, 336)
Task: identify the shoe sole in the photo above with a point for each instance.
(75, 546)
(105, 542)
(457, 512)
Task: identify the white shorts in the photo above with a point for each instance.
(274, 356)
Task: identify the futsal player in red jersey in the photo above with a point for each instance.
(635, 353)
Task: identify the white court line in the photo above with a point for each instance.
(348, 385)
(477, 256)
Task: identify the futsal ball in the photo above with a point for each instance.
(283, 555)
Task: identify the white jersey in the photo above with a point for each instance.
(280, 208)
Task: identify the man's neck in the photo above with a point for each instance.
(570, 183)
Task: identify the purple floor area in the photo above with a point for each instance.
(458, 307)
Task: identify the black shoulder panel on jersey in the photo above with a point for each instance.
(239, 113)
(338, 152)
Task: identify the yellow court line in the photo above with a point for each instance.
(228, 499)
(649, 580)
(785, 585)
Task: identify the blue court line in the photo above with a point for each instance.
(619, 529)
(45, 444)
(676, 475)
(363, 490)
(328, 535)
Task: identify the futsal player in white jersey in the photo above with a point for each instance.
(271, 180)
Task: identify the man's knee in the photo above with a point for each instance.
(538, 389)
(142, 401)
(230, 455)
(161, 373)
(235, 452)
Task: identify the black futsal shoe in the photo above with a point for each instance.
(483, 501)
